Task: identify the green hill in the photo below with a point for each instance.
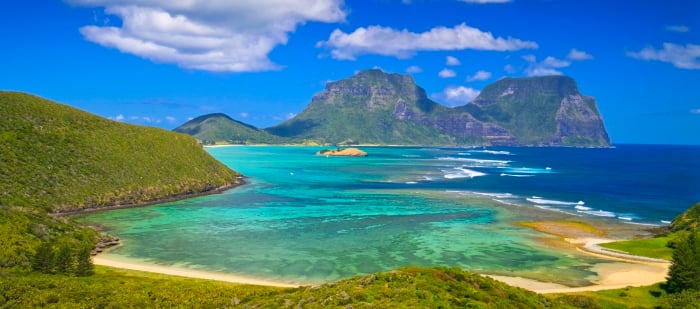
(221, 129)
(59, 158)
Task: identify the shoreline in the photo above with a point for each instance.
(239, 182)
(186, 272)
(622, 270)
(619, 271)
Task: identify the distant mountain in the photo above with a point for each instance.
(371, 107)
(546, 110)
(374, 107)
(221, 129)
(58, 158)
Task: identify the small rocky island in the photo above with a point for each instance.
(342, 152)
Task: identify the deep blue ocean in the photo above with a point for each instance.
(305, 218)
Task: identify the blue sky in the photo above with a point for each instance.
(161, 62)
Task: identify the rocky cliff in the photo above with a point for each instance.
(374, 107)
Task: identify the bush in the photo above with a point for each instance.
(684, 273)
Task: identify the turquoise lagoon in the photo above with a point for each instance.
(310, 219)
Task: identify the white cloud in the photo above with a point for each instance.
(548, 66)
(695, 111)
(452, 61)
(682, 57)
(459, 95)
(578, 55)
(243, 115)
(290, 115)
(486, 1)
(119, 117)
(210, 35)
(530, 58)
(404, 44)
(479, 75)
(509, 68)
(677, 28)
(413, 69)
(447, 73)
(170, 119)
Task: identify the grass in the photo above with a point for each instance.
(59, 158)
(403, 288)
(652, 247)
(630, 297)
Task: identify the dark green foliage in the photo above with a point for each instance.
(59, 158)
(221, 129)
(688, 220)
(44, 258)
(84, 265)
(687, 299)
(65, 259)
(580, 301)
(684, 273)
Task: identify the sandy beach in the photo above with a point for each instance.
(184, 272)
(622, 271)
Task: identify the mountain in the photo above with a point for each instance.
(547, 110)
(371, 107)
(374, 107)
(221, 129)
(59, 158)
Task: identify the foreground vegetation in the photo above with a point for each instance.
(59, 158)
(56, 158)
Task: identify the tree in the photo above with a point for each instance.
(64, 259)
(43, 258)
(684, 273)
(84, 264)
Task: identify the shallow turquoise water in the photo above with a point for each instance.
(303, 218)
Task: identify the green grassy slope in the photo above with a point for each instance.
(403, 288)
(221, 129)
(59, 158)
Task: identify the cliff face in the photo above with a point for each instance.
(547, 111)
(381, 108)
(374, 107)
(371, 107)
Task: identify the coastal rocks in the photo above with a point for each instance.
(104, 243)
(342, 152)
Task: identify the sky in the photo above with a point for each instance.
(161, 62)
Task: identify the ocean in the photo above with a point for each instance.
(308, 219)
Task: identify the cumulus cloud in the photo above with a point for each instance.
(682, 57)
(447, 73)
(458, 95)
(404, 44)
(413, 69)
(578, 55)
(170, 119)
(548, 66)
(479, 75)
(677, 28)
(210, 35)
(452, 61)
(243, 114)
